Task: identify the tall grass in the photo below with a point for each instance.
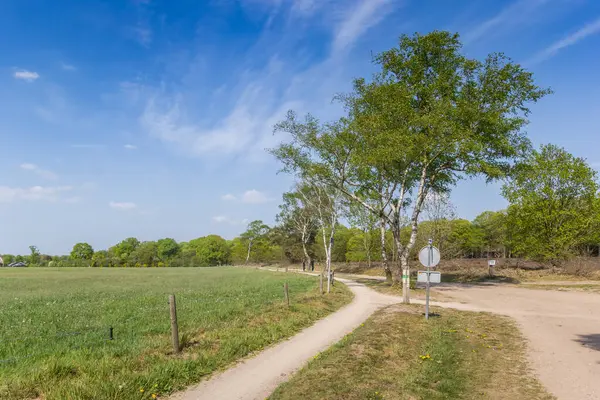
(54, 327)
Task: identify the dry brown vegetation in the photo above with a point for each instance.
(512, 270)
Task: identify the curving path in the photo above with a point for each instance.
(257, 377)
(562, 328)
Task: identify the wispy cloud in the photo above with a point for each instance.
(27, 76)
(68, 67)
(589, 29)
(142, 34)
(39, 171)
(130, 147)
(251, 117)
(122, 206)
(516, 13)
(252, 196)
(34, 193)
(257, 98)
(359, 19)
(223, 219)
(142, 31)
(255, 197)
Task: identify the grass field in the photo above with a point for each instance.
(54, 327)
(397, 355)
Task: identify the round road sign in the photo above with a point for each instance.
(429, 255)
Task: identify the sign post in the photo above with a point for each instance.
(491, 265)
(429, 256)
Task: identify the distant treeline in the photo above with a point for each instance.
(489, 235)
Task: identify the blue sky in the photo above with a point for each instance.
(149, 118)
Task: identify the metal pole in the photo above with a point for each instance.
(429, 257)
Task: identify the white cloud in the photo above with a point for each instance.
(569, 40)
(123, 206)
(28, 167)
(130, 147)
(358, 20)
(34, 193)
(223, 219)
(254, 197)
(27, 76)
(220, 218)
(39, 171)
(516, 13)
(68, 67)
(228, 197)
(232, 134)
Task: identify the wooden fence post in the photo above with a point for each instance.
(321, 282)
(174, 326)
(286, 293)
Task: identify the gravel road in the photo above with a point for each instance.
(562, 328)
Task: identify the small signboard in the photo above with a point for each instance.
(429, 256)
(492, 263)
(434, 277)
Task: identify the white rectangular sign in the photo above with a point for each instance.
(491, 263)
(434, 277)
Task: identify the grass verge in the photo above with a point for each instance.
(396, 354)
(55, 326)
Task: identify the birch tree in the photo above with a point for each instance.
(299, 214)
(255, 231)
(366, 221)
(429, 118)
(326, 202)
(439, 212)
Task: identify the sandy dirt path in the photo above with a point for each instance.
(257, 377)
(562, 328)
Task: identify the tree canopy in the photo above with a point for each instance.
(428, 118)
(82, 251)
(554, 203)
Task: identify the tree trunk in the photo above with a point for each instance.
(404, 251)
(330, 246)
(248, 255)
(405, 277)
(384, 260)
(306, 256)
(366, 243)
